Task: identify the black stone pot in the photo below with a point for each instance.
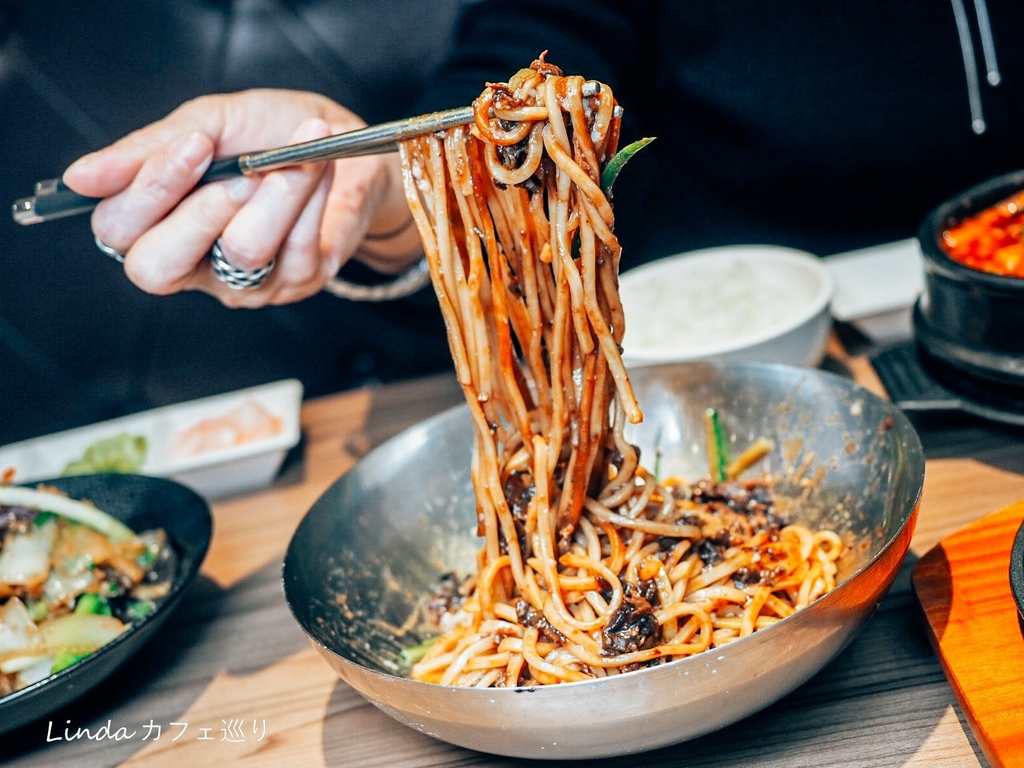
(969, 324)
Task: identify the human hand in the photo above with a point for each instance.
(310, 218)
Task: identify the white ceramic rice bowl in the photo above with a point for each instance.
(746, 302)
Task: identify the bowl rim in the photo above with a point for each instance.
(966, 202)
(790, 257)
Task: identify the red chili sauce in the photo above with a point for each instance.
(992, 240)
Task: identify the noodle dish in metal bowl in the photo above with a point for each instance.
(649, 555)
(375, 547)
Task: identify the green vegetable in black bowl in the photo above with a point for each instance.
(83, 584)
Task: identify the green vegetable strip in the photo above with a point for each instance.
(718, 449)
(64, 659)
(611, 170)
(414, 653)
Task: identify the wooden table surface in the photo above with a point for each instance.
(232, 680)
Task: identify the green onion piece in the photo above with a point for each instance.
(148, 555)
(414, 653)
(611, 170)
(718, 449)
(64, 659)
(90, 602)
(111, 589)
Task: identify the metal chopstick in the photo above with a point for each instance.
(53, 200)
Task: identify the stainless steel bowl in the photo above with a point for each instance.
(382, 535)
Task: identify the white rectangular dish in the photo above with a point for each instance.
(876, 288)
(220, 445)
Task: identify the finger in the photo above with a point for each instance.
(172, 255)
(298, 271)
(257, 233)
(236, 123)
(302, 268)
(351, 205)
(108, 171)
(162, 181)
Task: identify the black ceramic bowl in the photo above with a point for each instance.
(969, 324)
(141, 503)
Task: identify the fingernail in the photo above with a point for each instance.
(241, 188)
(194, 149)
(81, 165)
(314, 128)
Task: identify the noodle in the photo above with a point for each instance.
(589, 566)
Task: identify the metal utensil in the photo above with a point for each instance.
(52, 199)
(380, 538)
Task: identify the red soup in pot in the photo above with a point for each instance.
(991, 240)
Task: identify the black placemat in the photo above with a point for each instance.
(914, 389)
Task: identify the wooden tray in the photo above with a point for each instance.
(963, 585)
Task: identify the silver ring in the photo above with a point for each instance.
(113, 253)
(232, 276)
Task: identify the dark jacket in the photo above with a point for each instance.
(817, 125)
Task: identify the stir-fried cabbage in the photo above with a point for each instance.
(72, 579)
